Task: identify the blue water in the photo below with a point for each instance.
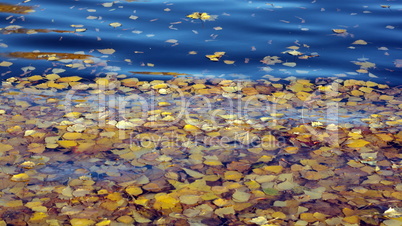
(250, 30)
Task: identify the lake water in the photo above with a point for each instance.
(107, 118)
(156, 36)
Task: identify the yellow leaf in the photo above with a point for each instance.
(295, 53)
(385, 137)
(14, 203)
(81, 222)
(38, 216)
(205, 16)
(241, 196)
(165, 201)
(21, 177)
(289, 64)
(104, 223)
(233, 175)
(226, 210)
(357, 143)
(66, 79)
(212, 162)
(360, 42)
(125, 219)
(274, 169)
(51, 84)
(115, 24)
(190, 128)
(189, 199)
(229, 61)
(291, 150)
(193, 173)
(102, 81)
(230, 89)
(106, 51)
(5, 64)
(53, 77)
(303, 95)
(356, 92)
(67, 143)
(5, 147)
(72, 115)
(339, 31)
(134, 190)
(195, 15)
(35, 78)
(172, 41)
(72, 136)
(351, 219)
(279, 215)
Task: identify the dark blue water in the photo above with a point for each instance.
(246, 31)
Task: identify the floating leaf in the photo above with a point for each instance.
(64, 79)
(22, 177)
(67, 143)
(339, 31)
(47, 55)
(357, 143)
(216, 56)
(359, 42)
(106, 51)
(115, 24)
(5, 64)
(229, 61)
(18, 9)
(294, 53)
(198, 15)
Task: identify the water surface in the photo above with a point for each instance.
(156, 36)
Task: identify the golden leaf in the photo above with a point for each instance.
(195, 15)
(233, 175)
(115, 24)
(339, 31)
(5, 64)
(165, 201)
(205, 16)
(106, 51)
(18, 9)
(229, 61)
(67, 143)
(357, 143)
(360, 42)
(21, 177)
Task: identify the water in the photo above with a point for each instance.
(246, 31)
(194, 151)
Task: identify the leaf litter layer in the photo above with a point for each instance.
(191, 151)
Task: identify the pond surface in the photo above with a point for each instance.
(359, 39)
(153, 113)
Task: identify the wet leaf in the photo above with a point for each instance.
(47, 55)
(357, 143)
(339, 31)
(216, 56)
(107, 51)
(359, 42)
(5, 64)
(115, 24)
(18, 9)
(22, 177)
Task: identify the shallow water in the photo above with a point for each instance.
(246, 31)
(188, 151)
